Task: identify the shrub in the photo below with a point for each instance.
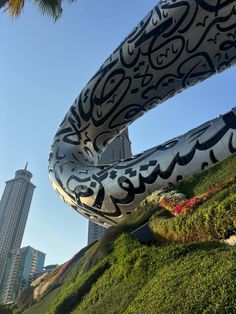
(214, 221)
(177, 204)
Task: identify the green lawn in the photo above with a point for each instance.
(188, 270)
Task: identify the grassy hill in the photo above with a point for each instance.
(187, 268)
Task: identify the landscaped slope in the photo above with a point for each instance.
(187, 269)
(214, 216)
(193, 278)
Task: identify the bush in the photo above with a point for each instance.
(214, 220)
(199, 183)
(4, 309)
(142, 215)
(131, 278)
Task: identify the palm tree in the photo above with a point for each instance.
(53, 8)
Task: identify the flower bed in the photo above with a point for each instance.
(177, 203)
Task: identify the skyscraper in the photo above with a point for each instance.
(14, 208)
(20, 266)
(119, 149)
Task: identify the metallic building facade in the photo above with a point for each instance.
(14, 208)
(177, 44)
(119, 149)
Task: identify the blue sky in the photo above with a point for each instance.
(44, 66)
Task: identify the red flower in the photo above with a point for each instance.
(169, 202)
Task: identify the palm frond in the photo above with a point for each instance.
(15, 7)
(3, 4)
(52, 8)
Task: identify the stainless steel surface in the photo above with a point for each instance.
(178, 44)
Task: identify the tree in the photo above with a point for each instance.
(53, 8)
(5, 309)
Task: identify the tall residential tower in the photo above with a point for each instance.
(21, 265)
(14, 209)
(119, 149)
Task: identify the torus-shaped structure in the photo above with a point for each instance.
(179, 43)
